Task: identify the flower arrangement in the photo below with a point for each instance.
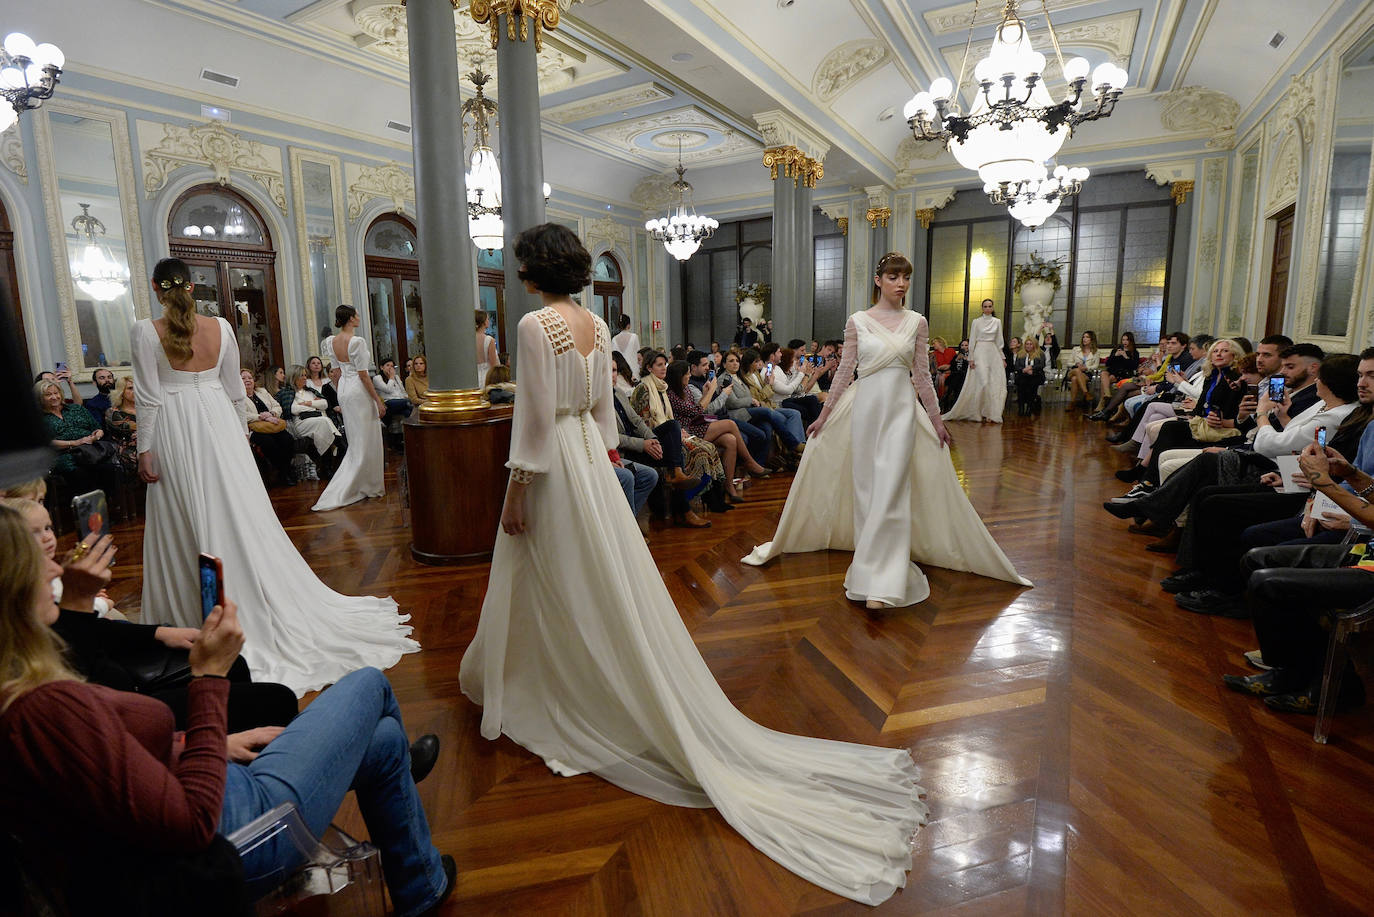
(755, 291)
(1040, 269)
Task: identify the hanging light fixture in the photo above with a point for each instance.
(28, 75)
(95, 271)
(1014, 125)
(485, 226)
(682, 231)
(1034, 200)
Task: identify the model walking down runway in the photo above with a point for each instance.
(205, 495)
(581, 657)
(984, 395)
(359, 475)
(905, 504)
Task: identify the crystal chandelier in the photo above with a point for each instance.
(682, 231)
(95, 270)
(1014, 125)
(28, 75)
(483, 177)
(1034, 200)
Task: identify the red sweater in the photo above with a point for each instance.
(87, 772)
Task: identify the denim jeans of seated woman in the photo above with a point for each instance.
(350, 738)
(786, 422)
(638, 481)
(401, 406)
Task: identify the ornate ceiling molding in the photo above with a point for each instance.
(604, 232)
(12, 154)
(780, 128)
(934, 198)
(386, 181)
(879, 196)
(607, 102)
(653, 137)
(1285, 173)
(212, 145)
(847, 64)
(956, 18)
(1194, 107)
(1166, 173)
(654, 194)
(1299, 104)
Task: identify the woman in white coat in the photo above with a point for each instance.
(984, 394)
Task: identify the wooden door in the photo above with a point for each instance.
(9, 281)
(1278, 271)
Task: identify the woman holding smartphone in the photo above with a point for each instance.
(205, 496)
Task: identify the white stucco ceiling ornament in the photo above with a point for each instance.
(654, 193)
(168, 147)
(1298, 104)
(604, 233)
(639, 137)
(1285, 172)
(607, 102)
(366, 183)
(847, 64)
(12, 154)
(956, 18)
(781, 128)
(1192, 107)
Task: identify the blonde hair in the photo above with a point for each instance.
(124, 383)
(172, 280)
(40, 389)
(939, 340)
(34, 490)
(1237, 352)
(30, 652)
(1031, 347)
(297, 371)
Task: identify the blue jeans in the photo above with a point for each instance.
(400, 406)
(1136, 402)
(786, 422)
(350, 738)
(638, 481)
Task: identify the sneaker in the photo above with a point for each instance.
(1265, 684)
(1256, 659)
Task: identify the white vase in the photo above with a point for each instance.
(751, 309)
(1036, 296)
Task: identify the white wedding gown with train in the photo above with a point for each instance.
(984, 395)
(581, 657)
(359, 475)
(210, 499)
(905, 505)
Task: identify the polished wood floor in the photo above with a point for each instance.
(1079, 751)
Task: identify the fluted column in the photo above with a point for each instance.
(783, 311)
(446, 262)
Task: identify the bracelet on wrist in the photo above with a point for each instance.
(1364, 493)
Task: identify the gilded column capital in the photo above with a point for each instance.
(785, 156)
(878, 216)
(1180, 191)
(519, 15)
(810, 171)
(843, 223)
(925, 215)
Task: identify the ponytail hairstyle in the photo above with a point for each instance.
(893, 262)
(172, 280)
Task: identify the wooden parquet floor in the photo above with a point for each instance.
(1079, 751)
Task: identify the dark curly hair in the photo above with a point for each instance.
(553, 258)
(343, 315)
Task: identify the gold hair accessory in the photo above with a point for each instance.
(176, 281)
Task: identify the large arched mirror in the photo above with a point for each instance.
(608, 289)
(392, 256)
(225, 242)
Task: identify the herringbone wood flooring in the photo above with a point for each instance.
(1079, 752)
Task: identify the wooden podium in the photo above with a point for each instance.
(456, 449)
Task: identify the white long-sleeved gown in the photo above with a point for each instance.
(984, 395)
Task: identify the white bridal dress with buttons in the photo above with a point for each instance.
(905, 504)
(582, 658)
(210, 499)
(359, 475)
(984, 395)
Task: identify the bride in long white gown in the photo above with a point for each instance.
(984, 395)
(582, 658)
(905, 504)
(359, 475)
(205, 496)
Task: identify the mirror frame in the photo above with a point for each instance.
(297, 155)
(56, 223)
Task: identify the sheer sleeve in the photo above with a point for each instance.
(844, 373)
(531, 437)
(147, 385)
(603, 404)
(920, 369)
(229, 369)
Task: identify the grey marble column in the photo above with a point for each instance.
(783, 308)
(877, 241)
(522, 162)
(446, 261)
(804, 283)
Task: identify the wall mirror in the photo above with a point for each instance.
(91, 208)
(317, 190)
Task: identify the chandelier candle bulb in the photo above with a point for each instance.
(17, 44)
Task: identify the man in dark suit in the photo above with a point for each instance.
(747, 336)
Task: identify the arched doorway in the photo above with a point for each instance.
(392, 259)
(491, 297)
(608, 289)
(9, 278)
(225, 242)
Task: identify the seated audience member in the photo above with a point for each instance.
(733, 399)
(794, 384)
(765, 410)
(1151, 370)
(497, 387)
(689, 462)
(701, 379)
(830, 358)
(1291, 590)
(1011, 351)
(1120, 366)
(121, 423)
(1029, 370)
(943, 355)
(715, 355)
(643, 355)
(267, 430)
(35, 490)
(72, 428)
(316, 375)
(747, 336)
(61, 377)
(958, 372)
(1222, 430)
(1085, 363)
(330, 391)
(104, 382)
(1049, 343)
(417, 381)
(309, 422)
(677, 352)
(1337, 384)
(1157, 383)
(40, 526)
(638, 481)
(624, 377)
(102, 804)
(392, 391)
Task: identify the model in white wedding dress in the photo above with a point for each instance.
(984, 395)
(905, 504)
(359, 475)
(205, 496)
(581, 657)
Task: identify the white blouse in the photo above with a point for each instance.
(389, 391)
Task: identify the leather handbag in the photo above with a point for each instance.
(95, 453)
(1205, 433)
(275, 425)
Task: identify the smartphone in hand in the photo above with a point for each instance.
(60, 366)
(1275, 388)
(1321, 437)
(92, 516)
(211, 584)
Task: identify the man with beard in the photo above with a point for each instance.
(104, 381)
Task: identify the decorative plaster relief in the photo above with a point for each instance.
(212, 145)
(637, 137)
(879, 196)
(654, 193)
(12, 154)
(367, 182)
(780, 128)
(1197, 107)
(836, 211)
(1212, 172)
(847, 64)
(607, 102)
(606, 232)
(1284, 172)
(1207, 250)
(1298, 103)
(956, 18)
(1166, 173)
(934, 198)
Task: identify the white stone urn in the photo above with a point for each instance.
(751, 309)
(1036, 296)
